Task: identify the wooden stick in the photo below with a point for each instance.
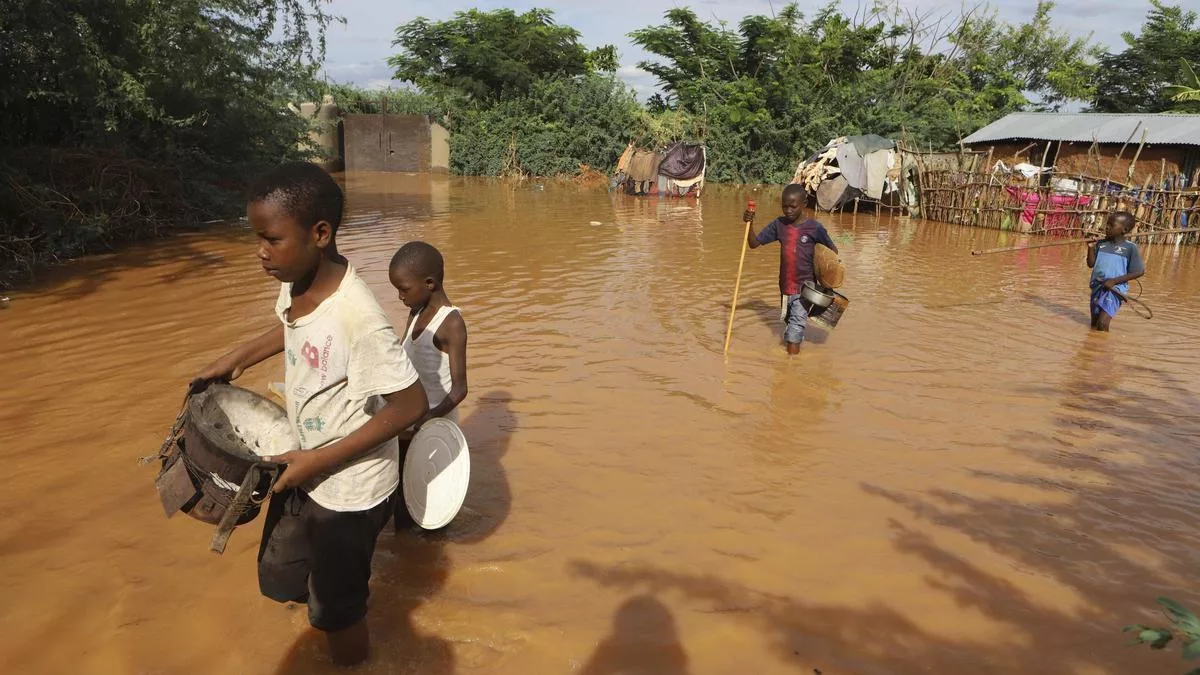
(1068, 242)
(1094, 147)
(737, 286)
(1122, 152)
(1132, 164)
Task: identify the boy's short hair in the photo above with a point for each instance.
(794, 188)
(1124, 217)
(304, 191)
(421, 258)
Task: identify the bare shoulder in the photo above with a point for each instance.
(453, 330)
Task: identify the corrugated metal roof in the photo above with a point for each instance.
(1083, 127)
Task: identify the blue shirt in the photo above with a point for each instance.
(797, 242)
(1116, 259)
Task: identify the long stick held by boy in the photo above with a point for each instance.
(349, 388)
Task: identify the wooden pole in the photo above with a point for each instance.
(988, 191)
(1117, 161)
(1160, 192)
(737, 286)
(1093, 148)
(1132, 164)
(1143, 210)
(1068, 242)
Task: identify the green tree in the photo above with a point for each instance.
(1138, 79)
(1026, 66)
(487, 56)
(1186, 93)
(561, 123)
(129, 117)
(779, 87)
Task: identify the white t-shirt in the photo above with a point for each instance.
(340, 358)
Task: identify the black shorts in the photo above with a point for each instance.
(313, 555)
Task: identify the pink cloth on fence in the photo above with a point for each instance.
(1055, 217)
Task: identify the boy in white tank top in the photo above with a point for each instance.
(435, 339)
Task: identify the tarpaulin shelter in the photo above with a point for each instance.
(852, 167)
(676, 171)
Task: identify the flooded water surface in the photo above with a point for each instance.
(959, 478)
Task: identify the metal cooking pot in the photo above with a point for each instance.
(814, 296)
(212, 467)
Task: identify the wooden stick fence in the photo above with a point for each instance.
(969, 194)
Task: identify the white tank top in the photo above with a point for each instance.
(432, 364)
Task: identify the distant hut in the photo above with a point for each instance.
(676, 171)
(1086, 145)
(1062, 172)
(856, 168)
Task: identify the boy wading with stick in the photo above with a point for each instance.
(1115, 262)
(797, 244)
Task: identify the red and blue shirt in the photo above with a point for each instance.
(797, 242)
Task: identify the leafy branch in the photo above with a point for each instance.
(1184, 627)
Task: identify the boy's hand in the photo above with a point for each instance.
(748, 216)
(225, 369)
(1110, 284)
(302, 465)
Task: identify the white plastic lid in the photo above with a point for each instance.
(437, 470)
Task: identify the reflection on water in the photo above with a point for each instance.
(959, 478)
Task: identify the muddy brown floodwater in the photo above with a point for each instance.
(959, 479)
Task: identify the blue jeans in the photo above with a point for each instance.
(796, 318)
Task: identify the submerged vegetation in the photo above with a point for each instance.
(155, 115)
(1184, 629)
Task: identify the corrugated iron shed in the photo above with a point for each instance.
(1085, 127)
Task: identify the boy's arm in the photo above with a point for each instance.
(822, 237)
(1091, 253)
(768, 234)
(402, 409)
(231, 365)
(452, 339)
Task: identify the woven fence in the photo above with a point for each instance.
(969, 188)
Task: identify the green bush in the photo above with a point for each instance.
(150, 115)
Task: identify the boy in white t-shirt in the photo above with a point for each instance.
(350, 389)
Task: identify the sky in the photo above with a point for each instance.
(357, 51)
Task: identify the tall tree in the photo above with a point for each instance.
(1138, 78)
(488, 56)
(1188, 91)
(122, 118)
(779, 87)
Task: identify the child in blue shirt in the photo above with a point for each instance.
(1115, 262)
